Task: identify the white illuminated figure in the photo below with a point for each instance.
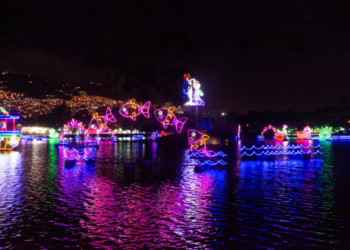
(192, 89)
(197, 94)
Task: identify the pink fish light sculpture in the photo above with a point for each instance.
(132, 110)
(197, 141)
(305, 135)
(98, 124)
(167, 118)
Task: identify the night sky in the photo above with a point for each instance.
(248, 55)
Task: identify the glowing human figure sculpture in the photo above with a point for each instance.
(132, 110)
(198, 93)
(197, 141)
(192, 89)
(167, 118)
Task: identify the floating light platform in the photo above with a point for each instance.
(9, 136)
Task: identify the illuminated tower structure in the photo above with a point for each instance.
(9, 136)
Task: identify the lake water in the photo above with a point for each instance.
(148, 195)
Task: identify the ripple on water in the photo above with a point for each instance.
(146, 196)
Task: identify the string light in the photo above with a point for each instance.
(278, 153)
(341, 137)
(275, 147)
(39, 133)
(85, 154)
(209, 154)
(210, 163)
(269, 127)
(167, 118)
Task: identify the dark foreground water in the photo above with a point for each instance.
(146, 195)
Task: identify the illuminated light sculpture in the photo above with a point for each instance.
(341, 137)
(305, 135)
(163, 133)
(192, 89)
(167, 118)
(109, 116)
(280, 150)
(98, 124)
(197, 141)
(325, 133)
(267, 129)
(211, 163)
(282, 135)
(280, 153)
(132, 110)
(73, 155)
(74, 127)
(209, 154)
(72, 131)
(38, 133)
(279, 147)
(9, 136)
(54, 134)
(155, 135)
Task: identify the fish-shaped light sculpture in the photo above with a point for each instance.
(197, 141)
(132, 110)
(167, 118)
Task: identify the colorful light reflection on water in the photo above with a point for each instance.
(144, 195)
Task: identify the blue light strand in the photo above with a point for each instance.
(276, 153)
(341, 137)
(279, 147)
(210, 163)
(209, 154)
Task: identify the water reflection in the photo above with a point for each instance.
(11, 194)
(146, 195)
